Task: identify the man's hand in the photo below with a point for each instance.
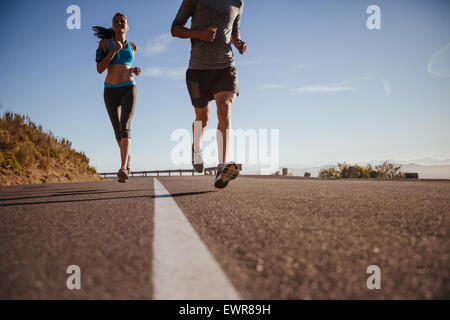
(136, 71)
(240, 45)
(208, 34)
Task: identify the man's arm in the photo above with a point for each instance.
(180, 31)
(238, 43)
(208, 34)
(236, 34)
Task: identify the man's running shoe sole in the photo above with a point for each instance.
(230, 172)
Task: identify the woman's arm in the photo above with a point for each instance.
(135, 70)
(135, 47)
(102, 65)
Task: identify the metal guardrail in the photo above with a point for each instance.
(210, 170)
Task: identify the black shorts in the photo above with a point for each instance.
(204, 84)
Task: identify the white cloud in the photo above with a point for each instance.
(272, 85)
(158, 45)
(152, 72)
(170, 73)
(176, 73)
(347, 82)
(247, 62)
(300, 66)
(386, 86)
(340, 83)
(321, 89)
(439, 63)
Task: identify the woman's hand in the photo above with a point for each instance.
(136, 71)
(117, 46)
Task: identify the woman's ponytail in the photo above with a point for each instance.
(103, 33)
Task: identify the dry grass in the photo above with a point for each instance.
(28, 154)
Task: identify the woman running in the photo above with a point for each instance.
(116, 54)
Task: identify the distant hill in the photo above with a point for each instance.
(425, 172)
(429, 172)
(30, 155)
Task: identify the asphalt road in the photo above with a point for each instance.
(272, 238)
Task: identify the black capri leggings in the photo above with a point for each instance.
(121, 103)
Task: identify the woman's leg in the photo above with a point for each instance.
(124, 152)
(129, 100)
(112, 101)
(129, 156)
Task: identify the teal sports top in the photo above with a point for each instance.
(123, 56)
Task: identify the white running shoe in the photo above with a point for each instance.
(197, 161)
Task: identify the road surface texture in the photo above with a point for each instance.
(260, 238)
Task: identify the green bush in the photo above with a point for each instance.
(329, 173)
(386, 170)
(25, 154)
(362, 172)
(389, 170)
(12, 163)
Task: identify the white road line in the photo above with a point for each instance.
(183, 268)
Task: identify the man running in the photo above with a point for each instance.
(212, 73)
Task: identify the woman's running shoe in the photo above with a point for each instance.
(122, 175)
(128, 165)
(225, 173)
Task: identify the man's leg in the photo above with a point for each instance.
(198, 127)
(224, 101)
(225, 171)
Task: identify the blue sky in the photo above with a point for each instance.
(336, 90)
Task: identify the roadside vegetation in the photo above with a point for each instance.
(385, 170)
(28, 154)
